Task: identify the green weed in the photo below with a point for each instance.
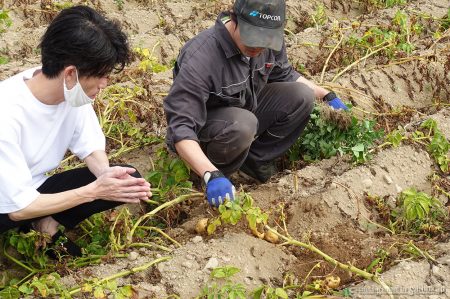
(231, 212)
(323, 139)
(32, 247)
(170, 176)
(270, 293)
(392, 41)
(4, 60)
(227, 289)
(103, 289)
(119, 4)
(223, 287)
(319, 17)
(121, 111)
(149, 63)
(429, 136)
(419, 212)
(439, 146)
(5, 20)
(376, 266)
(5, 23)
(414, 213)
(445, 21)
(50, 285)
(58, 6)
(97, 230)
(47, 285)
(375, 4)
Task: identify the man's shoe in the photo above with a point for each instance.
(259, 171)
(25, 228)
(64, 245)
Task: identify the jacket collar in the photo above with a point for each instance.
(223, 36)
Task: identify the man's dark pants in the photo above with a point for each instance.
(232, 135)
(61, 182)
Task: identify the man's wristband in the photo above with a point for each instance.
(209, 175)
(329, 96)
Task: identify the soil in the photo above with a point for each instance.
(323, 202)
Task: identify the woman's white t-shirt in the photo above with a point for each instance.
(34, 138)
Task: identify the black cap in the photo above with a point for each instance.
(261, 23)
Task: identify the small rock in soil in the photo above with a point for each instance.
(367, 183)
(197, 239)
(387, 179)
(212, 263)
(132, 256)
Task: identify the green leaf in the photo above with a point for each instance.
(358, 148)
(25, 289)
(346, 293)
(10, 293)
(3, 60)
(127, 291)
(111, 285)
(226, 215)
(373, 264)
(218, 273)
(257, 293)
(251, 221)
(281, 293)
(87, 288)
(419, 212)
(425, 204)
(411, 213)
(224, 272)
(409, 192)
(99, 293)
(120, 296)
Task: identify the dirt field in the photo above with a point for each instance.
(324, 201)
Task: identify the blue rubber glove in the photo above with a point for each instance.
(334, 101)
(218, 188)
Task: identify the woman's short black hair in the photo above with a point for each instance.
(80, 36)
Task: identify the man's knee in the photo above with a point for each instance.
(135, 174)
(302, 97)
(242, 131)
(233, 138)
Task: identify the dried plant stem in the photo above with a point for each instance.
(326, 257)
(125, 273)
(158, 230)
(159, 208)
(350, 91)
(329, 57)
(358, 61)
(425, 254)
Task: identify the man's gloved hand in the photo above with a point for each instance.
(334, 101)
(218, 188)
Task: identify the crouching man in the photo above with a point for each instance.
(48, 110)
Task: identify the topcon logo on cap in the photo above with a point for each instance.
(264, 16)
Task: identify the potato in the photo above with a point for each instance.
(332, 282)
(271, 237)
(201, 225)
(257, 234)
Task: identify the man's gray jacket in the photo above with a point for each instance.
(211, 72)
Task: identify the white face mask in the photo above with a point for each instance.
(76, 96)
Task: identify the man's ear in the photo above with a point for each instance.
(70, 75)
